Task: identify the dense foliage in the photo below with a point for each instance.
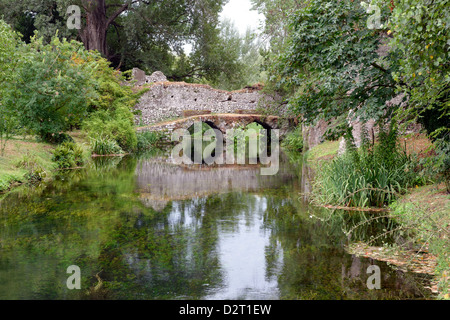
(420, 32)
(68, 155)
(105, 146)
(335, 65)
(332, 61)
(151, 35)
(48, 89)
(275, 36)
(340, 60)
(294, 140)
(10, 57)
(242, 65)
(149, 141)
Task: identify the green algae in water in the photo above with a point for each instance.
(151, 230)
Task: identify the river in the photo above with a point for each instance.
(143, 228)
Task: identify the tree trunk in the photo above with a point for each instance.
(94, 33)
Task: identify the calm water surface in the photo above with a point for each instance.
(153, 230)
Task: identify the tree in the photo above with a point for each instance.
(421, 35)
(337, 65)
(420, 30)
(131, 33)
(277, 15)
(50, 90)
(243, 51)
(252, 58)
(275, 33)
(10, 60)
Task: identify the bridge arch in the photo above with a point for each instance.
(261, 123)
(212, 125)
(223, 122)
(190, 125)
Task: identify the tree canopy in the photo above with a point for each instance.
(150, 35)
(420, 32)
(335, 64)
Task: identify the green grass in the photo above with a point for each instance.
(9, 176)
(26, 159)
(69, 155)
(104, 146)
(294, 140)
(365, 182)
(424, 213)
(324, 151)
(23, 161)
(151, 140)
(372, 176)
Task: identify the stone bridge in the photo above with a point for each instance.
(223, 122)
(164, 100)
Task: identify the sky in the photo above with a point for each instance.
(239, 11)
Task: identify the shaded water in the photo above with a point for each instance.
(152, 230)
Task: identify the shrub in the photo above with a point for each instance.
(57, 86)
(371, 176)
(56, 138)
(440, 164)
(111, 110)
(50, 91)
(36, 172)
(294, 140)
(105, 146)
(114, 125)
(149, 140)
(68, 155)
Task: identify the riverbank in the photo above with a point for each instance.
(27, 160)
(23, 159)
(423, 215)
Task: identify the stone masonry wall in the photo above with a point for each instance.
(167, 100)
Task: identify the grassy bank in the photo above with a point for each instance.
(26, 159)
(421, 211)
(327, 150)
(424, 212)
(22, 159)
(322, 152)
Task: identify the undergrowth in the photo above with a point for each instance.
(371, 176)
(68, 155)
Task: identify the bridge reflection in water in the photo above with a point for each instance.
(159, 181)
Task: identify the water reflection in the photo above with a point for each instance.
(154, 231)
(159, 181)
(243, 243)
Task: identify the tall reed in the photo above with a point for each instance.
(372, 176)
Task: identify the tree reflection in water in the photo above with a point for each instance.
(247, 237)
